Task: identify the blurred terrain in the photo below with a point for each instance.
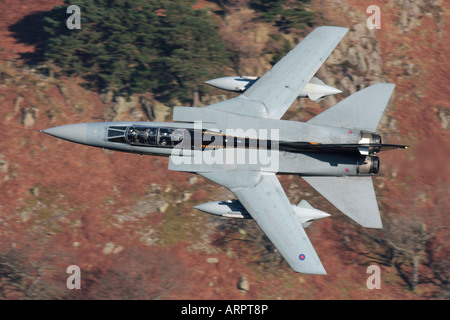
(128, 222)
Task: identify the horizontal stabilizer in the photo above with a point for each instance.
(362, 110)
(354, 196)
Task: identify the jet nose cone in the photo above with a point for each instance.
(71, 132)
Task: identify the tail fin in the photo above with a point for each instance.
(354, 196)
(362, 110)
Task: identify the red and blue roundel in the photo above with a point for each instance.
(301, 257)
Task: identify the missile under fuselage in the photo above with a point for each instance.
(234, 209)
(316, 90)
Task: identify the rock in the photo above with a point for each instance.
(411, 13)
(17, 104)
(162, 208)
(117, 249)
(107, 97)
(149, 236)
(34, 191)
(356, 62)
(108, 248)
(230, 253)
(186, 196)
(212, 260)
(444, 118)
(138, 107)
(111, 248)
(157, 111)
(193, 180)
(123, 107)
(243, 284)
(4, 165)
(29, 117)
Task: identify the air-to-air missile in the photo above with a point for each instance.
(315, 90)
(234, 209)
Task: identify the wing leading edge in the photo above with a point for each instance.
(272, 94)
(269, 206)
(280, 86)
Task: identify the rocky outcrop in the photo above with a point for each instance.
(134, 108)
(444, 118)
(4, 168)
(29, 116)
(356, 62)
(243, 284)
(411, 13)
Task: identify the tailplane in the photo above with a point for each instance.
(354, 196)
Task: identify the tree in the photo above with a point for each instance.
(33, 271)
(191, 49)
(414, 244)
(135, 46)
(285, 14)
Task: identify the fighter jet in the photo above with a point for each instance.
(242, 144)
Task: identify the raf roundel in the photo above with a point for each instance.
(301, 257)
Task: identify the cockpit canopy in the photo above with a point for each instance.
(145, 135)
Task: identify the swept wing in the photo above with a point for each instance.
(272, 94)
(265, 200)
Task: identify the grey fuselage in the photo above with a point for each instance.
(284, 147)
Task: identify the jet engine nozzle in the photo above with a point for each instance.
(369, 138)
(368, 165)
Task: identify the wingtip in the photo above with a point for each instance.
(344, 30)
(375, 223)
(319, 272)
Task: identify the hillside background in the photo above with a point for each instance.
(128, 222)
